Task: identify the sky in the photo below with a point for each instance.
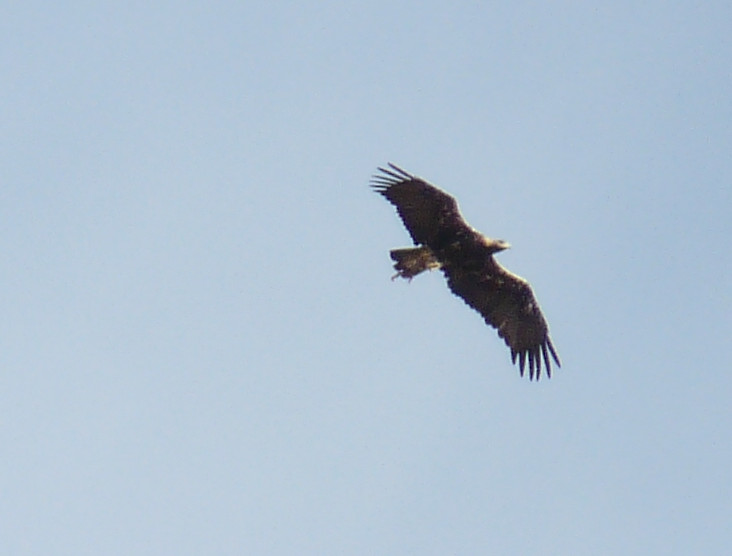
(201, 351)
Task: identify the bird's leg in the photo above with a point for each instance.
(402, 275)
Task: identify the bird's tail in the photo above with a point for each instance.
(410, 261)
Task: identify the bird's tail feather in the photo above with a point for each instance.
(410, 261)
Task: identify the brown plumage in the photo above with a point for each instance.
(465, 256)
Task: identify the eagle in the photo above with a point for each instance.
(444, 240)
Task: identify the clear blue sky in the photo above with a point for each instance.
(201, 351)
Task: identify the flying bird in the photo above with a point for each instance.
(444, 240)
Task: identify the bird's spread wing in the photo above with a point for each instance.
(424, 209)
(507, 303)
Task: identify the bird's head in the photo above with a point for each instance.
(496, 245)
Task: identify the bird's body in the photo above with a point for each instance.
(444, 240)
